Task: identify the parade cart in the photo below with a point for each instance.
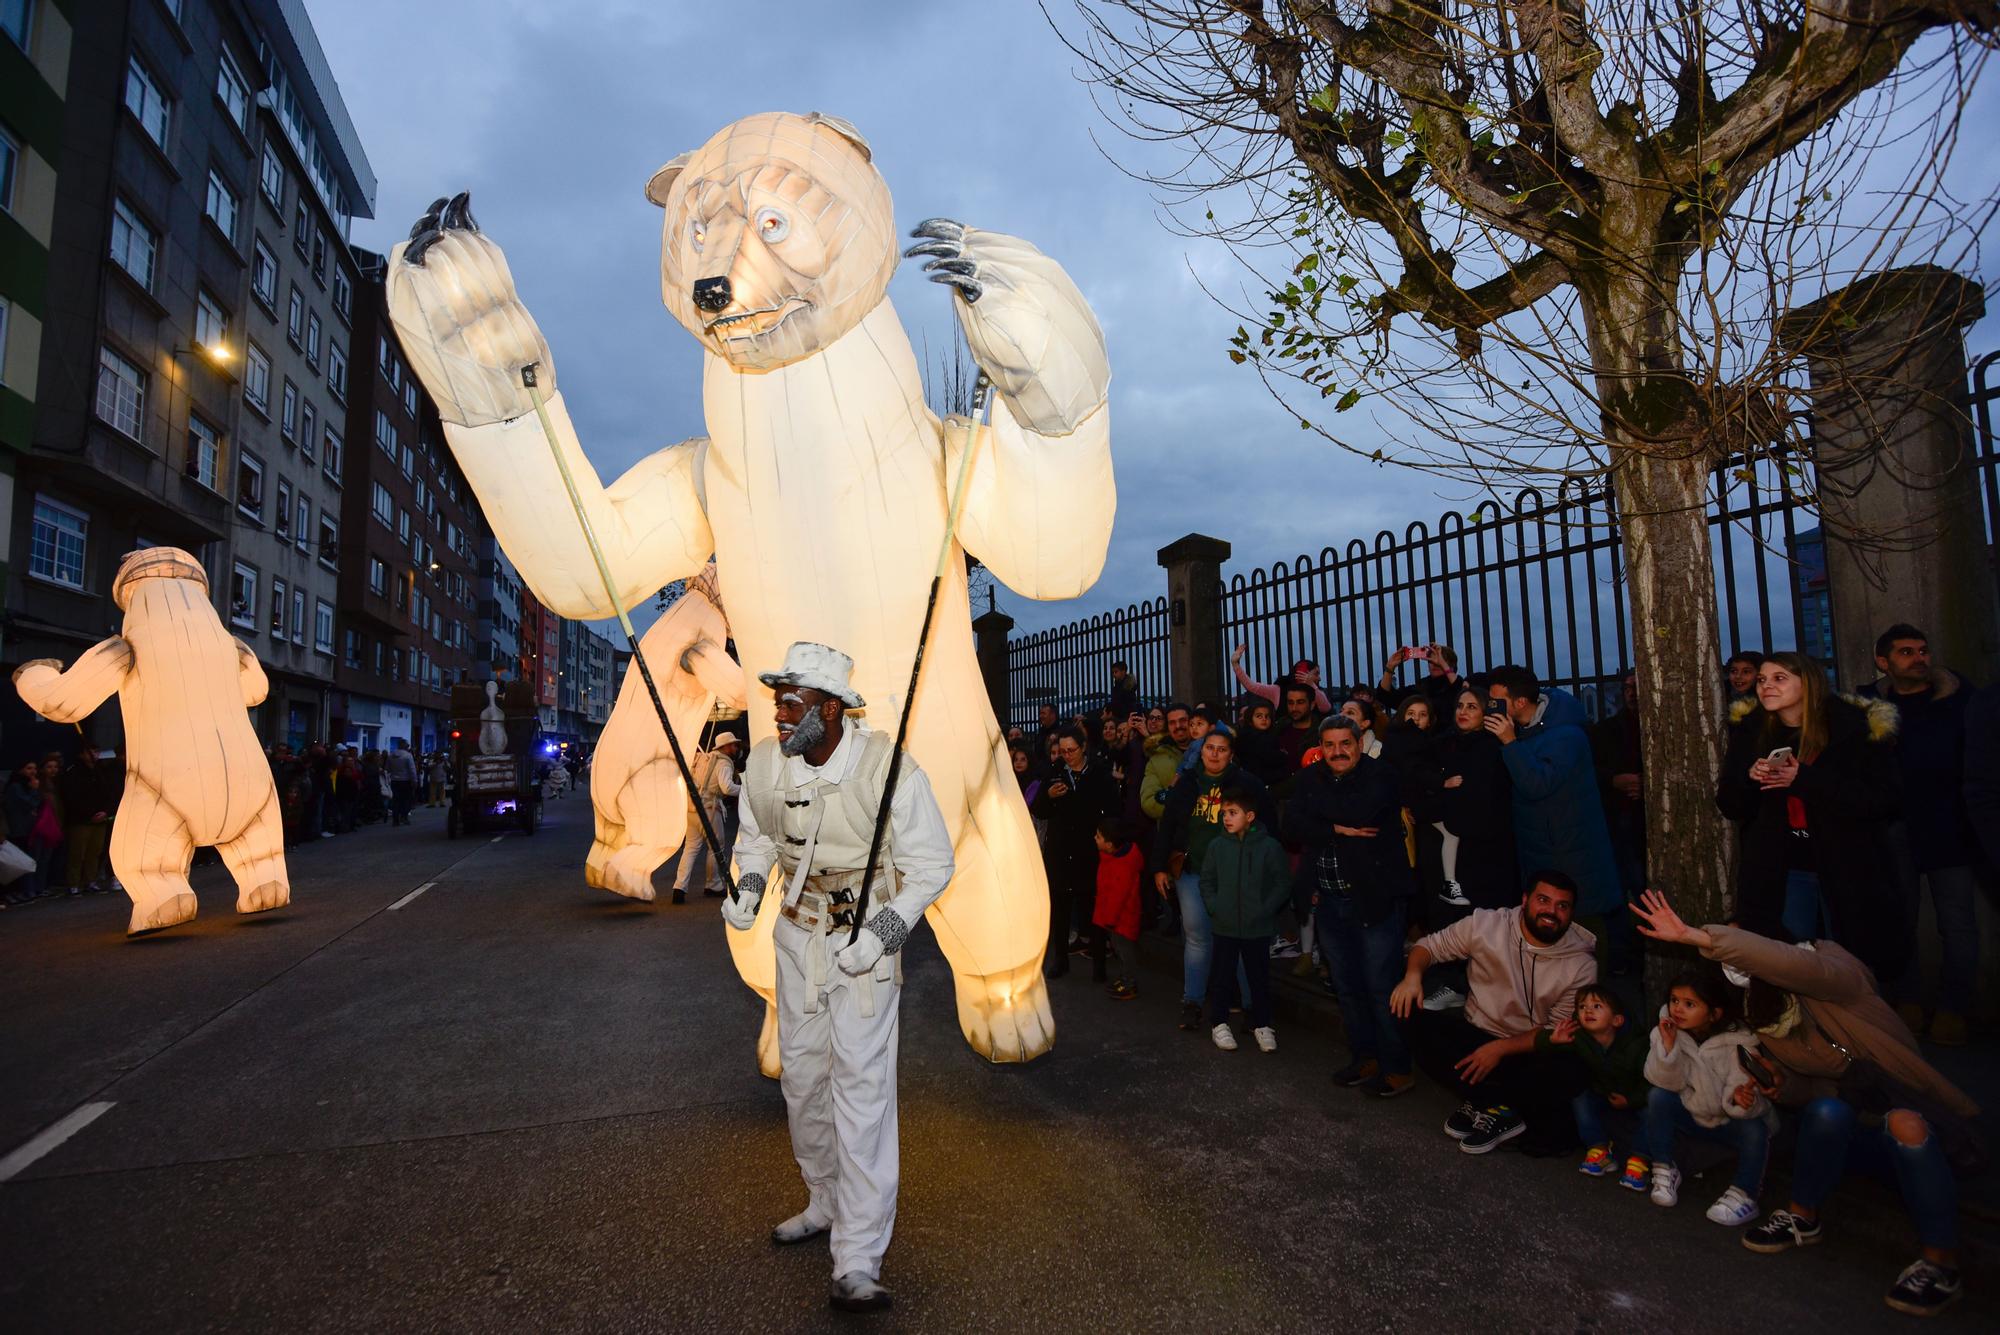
(493, 759)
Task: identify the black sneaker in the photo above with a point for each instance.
(1389, 1086)
(1357, 1072)
(1780, 1231)
(1191, 1016)
(1495, 1126)
(1925, 1288)
(1459, 1125)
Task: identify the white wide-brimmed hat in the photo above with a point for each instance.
(818, 666)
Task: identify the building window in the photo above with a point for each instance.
(250, 485)
(395, 665)
(410, 395)
(133, 244)
(271, 179)
(121, 392)
(211, 322)
(381, 506)
(330, 465)
(295, 317)
(243, 597)
(6, 309)
(403, 528)
(222, 205)
(257, 378)
(10, 161)
(312, 339)
(378, 577)
(302, 533)
(343, 296)
(298, 616)
(350, 648)
(329, 540)
(279, 601)
(322, 625)
(55, 550)
(147, 104)
(282, 517)
(233, 92)
(264, 274)
(336, 372)
(409, 462)
(204, 451)
(308, 429)
(319, 257)
(385, 434)
(14, 20)
(288, 413)
(402, 592)
(302, 227)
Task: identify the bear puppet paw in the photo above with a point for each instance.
(270, 895)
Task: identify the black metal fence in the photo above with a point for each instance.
(1540, 583)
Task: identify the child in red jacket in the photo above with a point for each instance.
(1120, 864)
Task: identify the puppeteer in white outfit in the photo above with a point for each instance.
(810, 798)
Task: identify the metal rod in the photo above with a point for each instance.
(625, 622)
(982, 399)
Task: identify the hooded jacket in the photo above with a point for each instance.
(1193, 817)
(1706, 1074)
(1518, 984)
(1930, 754)
(1619, 1068)
(1163, 762)
(1558, 818)
(1849, 792)
(1245, 880)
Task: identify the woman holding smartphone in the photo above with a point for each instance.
(1810, 778)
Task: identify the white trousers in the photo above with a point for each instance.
(697, 870)
(840, 1091)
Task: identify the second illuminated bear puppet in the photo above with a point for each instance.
(821, 485)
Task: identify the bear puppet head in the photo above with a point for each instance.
(779, 237)
(156, 563)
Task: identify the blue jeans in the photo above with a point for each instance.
(1593, 1114)
(1833, 1142)
(1667, 1116)
(1805, 914)
(1366, 964)
(1198, 942)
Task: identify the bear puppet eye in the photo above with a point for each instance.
(773, 226)
(697, 233)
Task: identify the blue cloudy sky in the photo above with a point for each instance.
(554, 116)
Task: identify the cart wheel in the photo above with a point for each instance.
(452, 822)
(528, 817)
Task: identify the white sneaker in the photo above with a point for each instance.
(1733, 1209)
(1223, 1038)
(1442, 998)
(1666, 1184)
(1267, 1039)
(1454, 896)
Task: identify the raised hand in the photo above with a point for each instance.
(1029, 328)
(1657, 919)
(460, 320)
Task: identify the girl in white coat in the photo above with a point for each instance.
(1701, 1090)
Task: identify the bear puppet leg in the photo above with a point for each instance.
(256, 860)
(151, 848)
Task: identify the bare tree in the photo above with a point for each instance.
(1546, 238)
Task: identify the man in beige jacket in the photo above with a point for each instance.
(1525, 965)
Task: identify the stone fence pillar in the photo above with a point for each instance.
(989, 631)
(1194, 615)
(1893, 448)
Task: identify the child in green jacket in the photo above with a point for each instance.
(1616, 1060)
(1245, 882)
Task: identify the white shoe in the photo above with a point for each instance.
(798, 1228)
(1267, 1039)
(1442, 998)
(856, 1292)
(1733, 1209)
(1454, 896)
(1223, 1038)
(1666, 1184)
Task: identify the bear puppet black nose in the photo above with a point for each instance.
(711, 294)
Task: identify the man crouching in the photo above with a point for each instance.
(810, 798)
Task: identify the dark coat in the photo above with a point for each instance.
(1982, 771)
(89, 789)
(1193, 818)
(1930, 752)
(1480, 811)
(1366, 797)
(1091, 796)
(1558, 818)
(1851, 793)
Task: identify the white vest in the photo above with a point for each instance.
(844, 812)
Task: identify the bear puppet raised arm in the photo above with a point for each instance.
(821, 485)
(194, 773)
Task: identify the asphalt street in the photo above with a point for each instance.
(513, 1103)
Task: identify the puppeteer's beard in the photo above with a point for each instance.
(809, 733)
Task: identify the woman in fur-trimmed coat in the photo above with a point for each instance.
(1815, 861)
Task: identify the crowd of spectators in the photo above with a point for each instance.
(1461, 861)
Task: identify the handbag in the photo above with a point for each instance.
(1872, 1091)
(48, 830)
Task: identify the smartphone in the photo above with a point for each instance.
(1421, 651)
(1756, 1068)
(1781, 756)
(1496, 707)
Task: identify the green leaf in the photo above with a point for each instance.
(1346, 283)
(1237, 357)
(1308, 264)
(1394, 139)
(1348, 400)
(1304, 425)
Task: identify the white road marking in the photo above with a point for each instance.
(496, 838)
(412, 895)
(50, 1138)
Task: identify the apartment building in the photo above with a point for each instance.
(498, 652)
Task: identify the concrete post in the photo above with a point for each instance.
(989, 630)
(1893, 448)
(1194, 615)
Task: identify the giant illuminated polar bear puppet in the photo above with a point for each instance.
(194, 773)
(821, 485)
